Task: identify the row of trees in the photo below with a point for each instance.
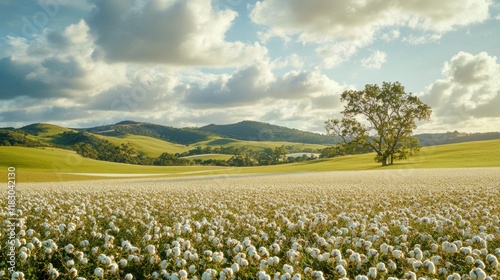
(232, 150)
(101, 149)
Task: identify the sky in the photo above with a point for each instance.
(186, 63)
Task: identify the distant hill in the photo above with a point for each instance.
(258, 131)
(43, 129)
(183, 136)
(432, 139)
(9, 137)
(143, 135)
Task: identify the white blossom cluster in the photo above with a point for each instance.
(363, 225)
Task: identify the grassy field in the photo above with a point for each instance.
(51, 164)
(35, 164)
(154, 147)
(256, 145)
(150, 146)
(209, 156)
(50, 132)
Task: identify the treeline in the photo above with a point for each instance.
(257, 131)
(91, 146)
(16, 138)
(184, 136)
(96, 148)
(250, 157)
(343, 150)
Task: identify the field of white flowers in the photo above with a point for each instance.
(391, 224)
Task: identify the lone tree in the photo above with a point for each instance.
(381, 118)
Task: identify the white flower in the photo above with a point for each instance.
(235, 267)
(372, 272)
(477, 274)
(73, 272)
(183, 274)
(431, 268)
(53, 273)
(129, 276)
(381, 267)
(288, 268)
(23, 256)
(17, 276)
(454, 276)
(492, 261)
(69, 248)
(114, 268)
(192, 269)
(98, 272)
(410, 275)
(341, 270)
(397, 254)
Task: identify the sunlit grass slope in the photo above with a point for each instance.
(39, 164)
(256, 145)
(47, 164)
(150, 146)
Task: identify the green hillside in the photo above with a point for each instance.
(257, 145)
(183, 136)
(51, 164)
(431, 139)
(44, 132)
(46, 164)
(147, 145)
(258, 131)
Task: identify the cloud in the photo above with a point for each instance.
(55, 65)
(391, 35)
(340, 28)
(255, 83)
(323, 20)
(470, 90)
(335, 54)
(421, 39)
(375, 60)
(173, 32)
(45, 113)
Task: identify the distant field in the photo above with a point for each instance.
(209, 156)
(41, 164)
(256, 145)
(51, 164)
(150, 146)
(50, 132)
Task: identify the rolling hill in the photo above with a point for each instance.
(258, 131)
(184, 136)
(154, 139)
(431, 139)
(51, 164)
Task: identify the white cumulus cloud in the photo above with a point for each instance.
(342, 27)
(469, 92)
(375, 60)
(174, 32)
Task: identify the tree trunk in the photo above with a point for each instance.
(384, 161)
(392, 159)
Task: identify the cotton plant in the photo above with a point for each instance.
(261, 229)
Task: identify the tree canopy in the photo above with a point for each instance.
(381, 118)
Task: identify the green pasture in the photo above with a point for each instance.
(47, 164)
